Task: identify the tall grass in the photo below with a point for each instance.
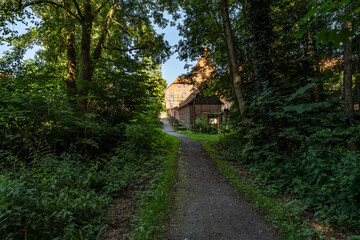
(153, 212)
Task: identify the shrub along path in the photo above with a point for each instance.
(207, 206)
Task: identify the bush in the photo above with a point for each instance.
(201, 124)
(326, 179)
(51, 199)
(67, 197)
(322, 172)
(144, 139)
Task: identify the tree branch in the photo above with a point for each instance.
(217, 23)
(99, 9)
(22, 6)
(100, 45)
(125, 50)
(106, 59)
(124, 28)
(78, 8)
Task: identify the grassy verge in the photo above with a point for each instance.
(200, 136)
(285, 216)
(153, 214)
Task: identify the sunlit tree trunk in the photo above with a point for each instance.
(357, 79)
(349, 108)
(100, 45)
(70, 79)
(85, 59)
(232, 58)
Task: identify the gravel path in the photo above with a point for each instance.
(207, 206)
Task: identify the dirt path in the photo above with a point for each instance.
(207, 206)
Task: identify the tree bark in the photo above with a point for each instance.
(70, 79)
(232, 58)
(357, 79)
(100, 45)
(85, 59)
(349, 108)
(260, 26)
(71, 59)
(261, 32)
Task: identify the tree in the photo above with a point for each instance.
(344, 15)
(260, 27)
(208, 25)
(232, 58)
(93, 32)
(349, 106)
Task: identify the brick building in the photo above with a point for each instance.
(177, 92)
(183, 86)
(197, 105)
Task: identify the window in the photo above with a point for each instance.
(171, 94)
(184, 93)
(171, 105)
(184, 86)
(179, 86)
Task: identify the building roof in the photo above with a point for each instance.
(199, 99)
(189, 99)
(198, 74)
(6, 75)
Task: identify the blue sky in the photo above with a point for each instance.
(170, 70)
(173, 67)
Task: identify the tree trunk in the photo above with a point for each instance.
(349, 108)
(100, 46)
(232, 58)
(85, 59)
(70, 79)
(357, 80)
(71, 63)
(261, 32)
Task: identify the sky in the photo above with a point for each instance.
(171, 69)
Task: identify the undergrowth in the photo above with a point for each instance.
(325, 185)
(61, 165)
(68, 196)
(284, 215)
(152, 217)
(196, 136)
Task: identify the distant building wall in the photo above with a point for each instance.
(187, 113)
(176, 93)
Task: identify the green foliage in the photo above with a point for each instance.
(329, 33)
(201, 124)
(68, 196)
(315, 157)
(143, 139)
(285, 216)
(195, 136)
(153, 216)
(320, 170)
(60, 166)
(51, 198)
(296, 135)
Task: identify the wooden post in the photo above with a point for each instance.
(208, 124)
